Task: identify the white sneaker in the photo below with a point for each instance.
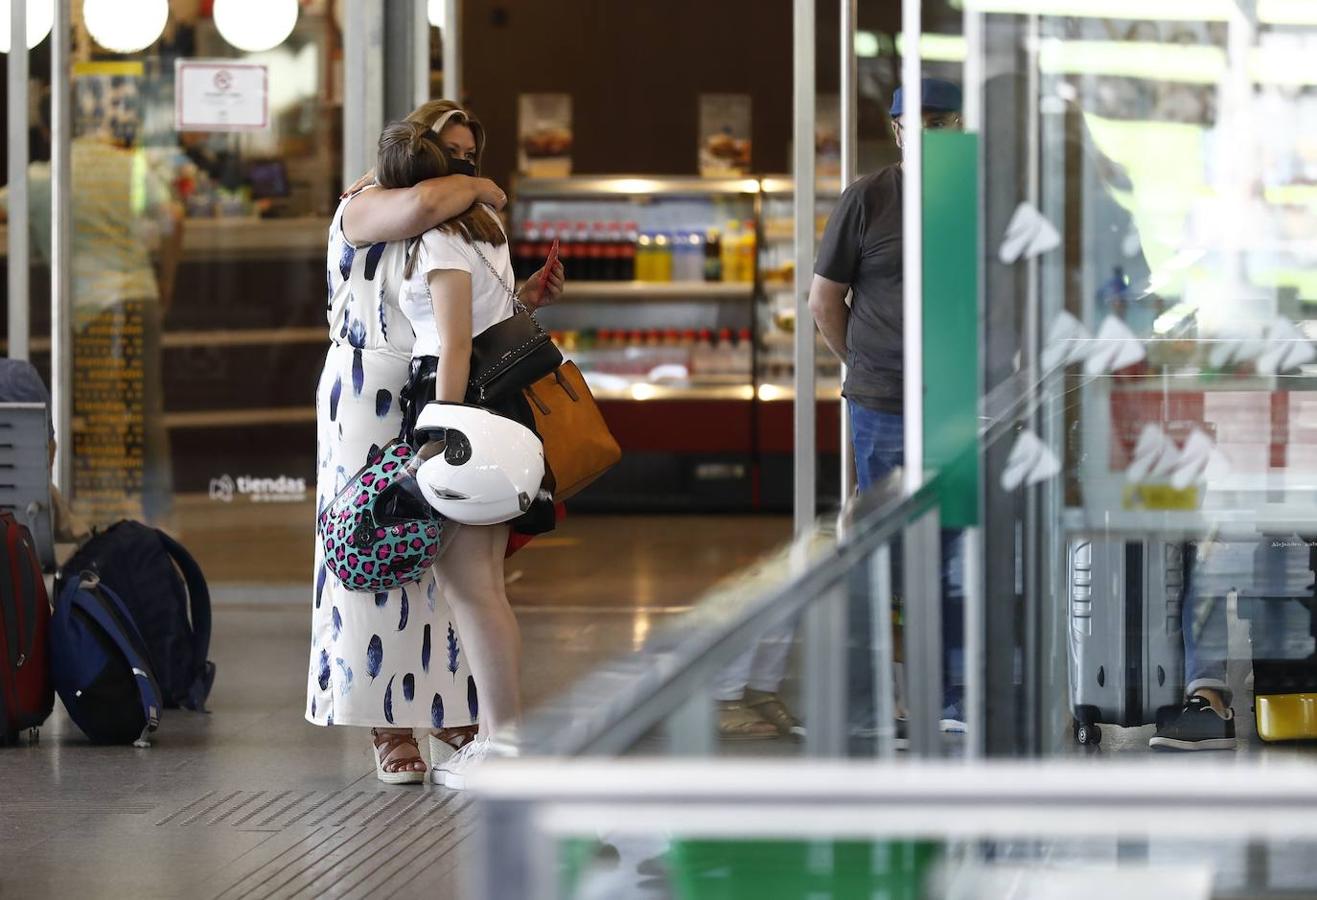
(452, 773)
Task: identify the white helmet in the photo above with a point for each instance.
(479, 468)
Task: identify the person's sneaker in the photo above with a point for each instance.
(953, 717)
(453, 772)
(1196, 727)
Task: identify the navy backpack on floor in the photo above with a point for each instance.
(99, 664)
(141, 565)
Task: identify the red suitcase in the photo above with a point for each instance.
(26, 694)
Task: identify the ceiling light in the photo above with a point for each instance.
(866, 44)
(255, 25)
(40, 16)
(437, 11)
(125, 26)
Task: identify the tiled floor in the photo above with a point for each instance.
(250, 800)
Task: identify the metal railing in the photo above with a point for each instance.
(995, 829)
(669, 681)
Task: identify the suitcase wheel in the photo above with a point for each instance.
(1087, 734)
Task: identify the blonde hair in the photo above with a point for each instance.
(410, 151)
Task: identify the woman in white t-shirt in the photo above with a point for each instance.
(459, 282)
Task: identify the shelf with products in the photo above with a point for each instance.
(662, 363)
(690, 375)
(653, 290)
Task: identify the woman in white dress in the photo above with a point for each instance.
(393, 661)
(459, 282)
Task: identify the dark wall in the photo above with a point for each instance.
(635, 70)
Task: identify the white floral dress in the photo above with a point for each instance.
(406, 636)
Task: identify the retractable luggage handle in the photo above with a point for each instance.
(148, 690)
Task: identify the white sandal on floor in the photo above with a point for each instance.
(382, 745)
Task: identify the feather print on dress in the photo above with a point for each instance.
(383, 403)
(345, 257)
(406, 610)
(320, 586)
(373, 259)
(335, 393)
(338, 622)
(472, 703)
(374, 656)
(452, 650)
(430, 599)
(384, 322)
(357, 338)
(322, 677)
(437, 711)
(425, 649)
(408, 687)
(382, 599)
(345, 683)
(388, 700)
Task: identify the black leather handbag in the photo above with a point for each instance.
(511, 355)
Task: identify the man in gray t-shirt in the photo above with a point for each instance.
(861, 253)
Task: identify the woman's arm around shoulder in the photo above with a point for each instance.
(394, 214)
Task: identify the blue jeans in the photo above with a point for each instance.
(879, 442)
(1263, 572)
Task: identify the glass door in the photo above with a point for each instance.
(205, 151)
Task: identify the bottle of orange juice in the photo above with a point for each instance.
(745, 252)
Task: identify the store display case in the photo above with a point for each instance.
(679, 312)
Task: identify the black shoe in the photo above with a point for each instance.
(1196, 727)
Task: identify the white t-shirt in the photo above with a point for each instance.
(490, 302)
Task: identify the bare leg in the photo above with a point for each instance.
(485, 620)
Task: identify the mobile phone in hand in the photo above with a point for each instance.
(549, 264)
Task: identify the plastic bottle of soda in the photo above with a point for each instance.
(724, 353)
(612, 253)
(713, 263)
(730, 239)
(745, 253)
(583, 252)
(643, 268)
(744, 356)
(627, 267)
(662, 265)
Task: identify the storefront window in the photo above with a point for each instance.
(203, 178)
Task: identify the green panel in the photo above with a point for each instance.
(756, 869)
(951, 321)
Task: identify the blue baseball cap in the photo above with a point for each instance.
(939, 96)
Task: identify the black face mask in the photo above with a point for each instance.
(460, 166)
